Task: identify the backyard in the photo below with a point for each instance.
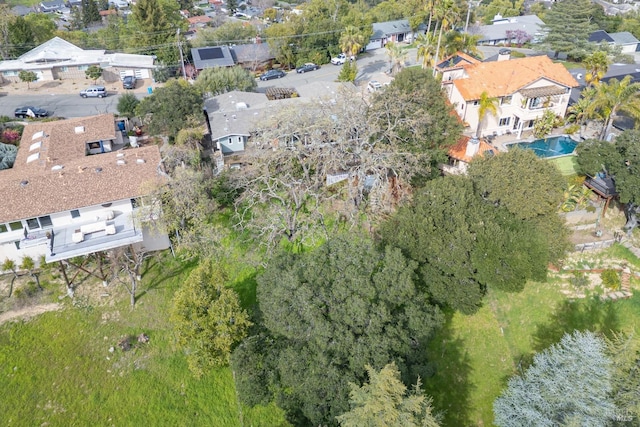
(72, 365)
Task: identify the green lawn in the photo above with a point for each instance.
(57, 368)
(566, 164)
(476, 355)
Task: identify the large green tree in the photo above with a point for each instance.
(465, 244)
(170, 108)
(412, 113)
(20, 36)
(596, 66)
(568, 24)
(215, 81)
(613, 97)
(227, 33)
(90, 12)
(532, 192)
(568, 384)
(621, 160)
(330, 312)
(384, 402)
(208, 318)
(42, 26)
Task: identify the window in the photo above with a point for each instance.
(83, 67)
(505, 101)
(134, 203)
(505, 121)
(535, 103)
(45, 221)
(64, 69)
(475, 102)
(17, 243)
(15, 226)
(3, 228)
(75, 213)
(33, 223)
(10, 73)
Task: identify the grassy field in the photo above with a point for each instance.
(476, 355)
(58, 368)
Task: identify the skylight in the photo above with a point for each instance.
(35, 146)
(37, 135)
(32, 157)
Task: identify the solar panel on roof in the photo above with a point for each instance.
(211, 53)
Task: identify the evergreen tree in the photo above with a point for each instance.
(569, 23)
(149, 27)
(21, 36)
(567, 384)
(90, 12)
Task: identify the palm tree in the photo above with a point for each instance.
(351, 41)
(426, 44)
(397, 55)
(596, 66)
(447, 12)
(577, 112)
(486, 105)
(610, 98)
(455, 41)
(10, 265)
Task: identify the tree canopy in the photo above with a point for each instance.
(172, 107)
(465, 244)
(569, 23)
(207, 317)
(384, 402)
(219, 80)
(330, 312)
(621, 160)
(567, 384)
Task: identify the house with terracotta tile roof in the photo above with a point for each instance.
(464, 151)
(73, 190)
(525, 89)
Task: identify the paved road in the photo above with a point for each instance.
(371, 65)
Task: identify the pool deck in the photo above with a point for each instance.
(502, 142)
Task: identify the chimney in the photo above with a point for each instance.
(504, 54)
(472, 147)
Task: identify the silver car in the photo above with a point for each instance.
(94, 92)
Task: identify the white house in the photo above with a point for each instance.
(392, 31)
(72, 193)
(625, 40)
(58, 59)
(503, 30)
(524, 87)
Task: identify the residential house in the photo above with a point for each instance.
(197, 22)
(211, 57)
(392, 31)
(234, 116)
(624, 40)
(51, 6)
(59, 59)
(71, 192)
(252, 56)
(505, 30)
(452, 67)
(525, 89)
(463, 152)
(21, 10)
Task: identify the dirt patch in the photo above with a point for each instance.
(28, 312)
(51, 84)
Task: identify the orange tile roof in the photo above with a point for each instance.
(502, 78)
(459, 150)
(108, 12)
(467, 58)
(203, 19)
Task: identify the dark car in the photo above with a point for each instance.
(23, 112)
(129, 82)
(309, 66)
(273, 74)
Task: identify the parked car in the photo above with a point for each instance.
(129, 82)
(23, 112)
(272, 74)
(341, 59)
(373, 86)
(93, 92)
(309, 66)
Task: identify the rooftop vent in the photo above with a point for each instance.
(32, 157)
(35, 146)
(79, 129)
(80, 169)
(98, 169)
(140, 161)
(37, 135)
(120, 155)
(57, 167)
(241, 106)
(24, 183)
(120, 162)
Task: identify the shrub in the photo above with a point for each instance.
(10, 136)
(610, 279)
(579, 279)
(624, 59)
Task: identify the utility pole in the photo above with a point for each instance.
(466, 24)
(184, 72)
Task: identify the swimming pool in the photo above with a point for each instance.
(554, 146)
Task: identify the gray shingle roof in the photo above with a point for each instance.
(624, 37)
(530, 24)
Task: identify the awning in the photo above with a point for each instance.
(539, 92)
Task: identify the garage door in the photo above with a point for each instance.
(142, 74)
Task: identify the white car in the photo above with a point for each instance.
(373, 86)
(341, 59)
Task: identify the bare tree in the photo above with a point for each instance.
(128, 260)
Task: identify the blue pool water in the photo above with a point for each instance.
(549, 147)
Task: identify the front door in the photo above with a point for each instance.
(516, 122)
